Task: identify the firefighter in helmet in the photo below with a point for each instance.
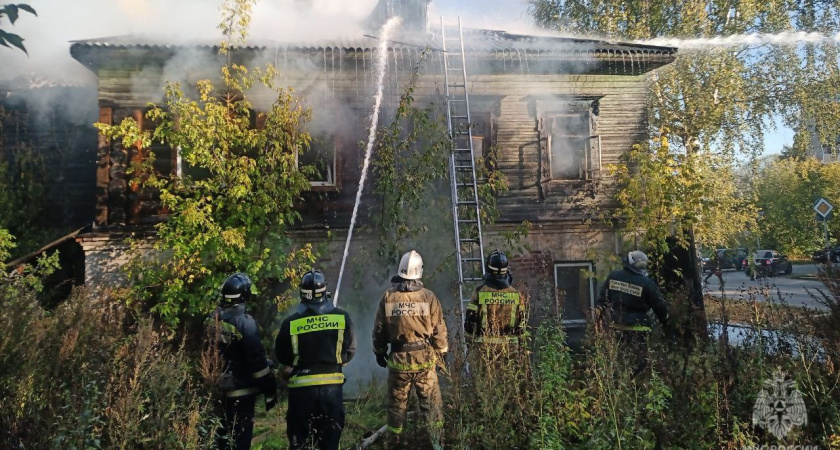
(410, 319)
(496, 313)
(247, 371)
(630, 294)
(314, 344)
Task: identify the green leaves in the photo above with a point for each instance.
(660, 191)
(710, 108)
(12, 11)
(410, 154)
(786, 190)
(232, 205)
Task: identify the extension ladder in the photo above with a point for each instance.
(469, 244)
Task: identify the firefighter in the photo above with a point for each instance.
(247, 370)
(630, 294)
(496, 313)
(410, 319)
(314, 344)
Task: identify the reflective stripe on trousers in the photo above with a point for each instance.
(428, 399)
(512, 340)
(242, 392)
(316, 380)
(623, 327)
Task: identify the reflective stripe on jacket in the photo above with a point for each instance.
(495, 312)
(316, 346)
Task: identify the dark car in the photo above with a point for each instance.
(770, 263)
(828, 254)
(730, 258)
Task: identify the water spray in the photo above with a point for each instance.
(739, 40)
(382, 63)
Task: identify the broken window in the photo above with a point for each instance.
(575, 289)
(318, 162)
(571, 147)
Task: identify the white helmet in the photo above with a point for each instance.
(411, 266)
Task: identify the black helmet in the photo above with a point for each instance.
(236, 289)
(497, 264)
(313, 287)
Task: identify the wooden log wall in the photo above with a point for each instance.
(347, 77)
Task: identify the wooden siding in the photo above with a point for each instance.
(507, 98)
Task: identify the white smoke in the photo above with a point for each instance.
(48, 36)
(787, 38)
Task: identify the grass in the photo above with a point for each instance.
(364, 415)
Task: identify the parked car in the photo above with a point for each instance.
(769, 263)
(831, 253)
(730, 258)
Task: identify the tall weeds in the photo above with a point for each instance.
(86, 375)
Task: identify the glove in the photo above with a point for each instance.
(270, 403)
(382, 360)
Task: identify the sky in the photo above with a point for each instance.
(47, 37)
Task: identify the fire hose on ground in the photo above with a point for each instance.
(368, 441)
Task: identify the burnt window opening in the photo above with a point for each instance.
(576, 290)
(481, 130)
(318, 162)
(568, 136)
(572, 147)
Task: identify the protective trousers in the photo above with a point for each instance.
(238, 423)
(428, 395)
(315, 417)
(636, 344)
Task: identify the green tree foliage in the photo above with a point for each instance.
(12, 11)
(719, 99)
(236, 218)
(697, 187)
(410, 154)
(787, 190)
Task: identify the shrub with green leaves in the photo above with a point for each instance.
(236, 216)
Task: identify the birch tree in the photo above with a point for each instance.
(740, 65)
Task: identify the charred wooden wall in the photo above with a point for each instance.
(503, 107)
(48, 131)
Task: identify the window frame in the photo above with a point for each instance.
(593, 287)
(329, 185)
(547, 110)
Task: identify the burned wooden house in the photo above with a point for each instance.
(555, 111)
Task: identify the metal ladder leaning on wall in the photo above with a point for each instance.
(469, 243)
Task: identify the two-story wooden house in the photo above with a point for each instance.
(555, 110)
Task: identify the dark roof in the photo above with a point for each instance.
(52, 245)
(474, 41)
(479, 43)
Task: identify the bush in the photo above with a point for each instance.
(86, 375)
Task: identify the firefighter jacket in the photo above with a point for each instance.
(410, 319)
(496, 313)
(630, 295)
(316, 346)
(247, 370)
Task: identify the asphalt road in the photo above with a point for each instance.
(790, 289)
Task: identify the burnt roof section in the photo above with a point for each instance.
(477, 43)
(474, 41)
